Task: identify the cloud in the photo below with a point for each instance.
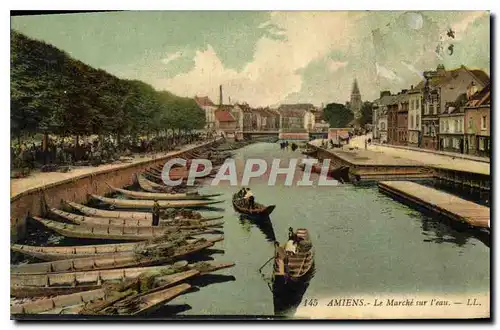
(387, 73)
(273, 73)
(412, 69)
(171, 57)
(335, 65)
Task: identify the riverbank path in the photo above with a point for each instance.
(426, 158)
(40, 179)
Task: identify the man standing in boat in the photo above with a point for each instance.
(156, 213)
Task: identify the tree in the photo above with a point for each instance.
(337, 115)
(366, 114)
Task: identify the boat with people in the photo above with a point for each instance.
(295, 258)
(293, 270)
(241, 205)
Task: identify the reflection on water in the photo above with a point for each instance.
(287, 295)
(263, 223)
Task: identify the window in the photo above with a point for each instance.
(441, 125)
(412, 105)
(417, 106)
(382, 126)
(470, 122)
(417, 122)
(481, 144)
(447, 126)
(456, 125)
(411, 121)
(456, 143)
(483, 123)
(426, 109)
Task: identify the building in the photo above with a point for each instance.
(392, 119)
(414, 117)
(209, 107)
(441, 87)
(379, 117)
(451, 126)
(225, 121)
(402, 118)
(477, 114)
(355, 103)
(268, 119)
(297, 117)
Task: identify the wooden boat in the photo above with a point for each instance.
(110, 214)
(26, 285)
(148, 302)
(146, 216)
(309, 153)
(182, 224)
(162, 196)
(148, 204)
(139, 258)
(114, 232)
(295, 266)
(259, 210)
(56, 304)
(154, 187)
(85, 251)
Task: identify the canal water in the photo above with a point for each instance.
(364, 241)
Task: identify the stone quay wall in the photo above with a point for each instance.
(31, 202)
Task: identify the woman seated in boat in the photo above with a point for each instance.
(249, 198)
(241, 193)
(156, 213)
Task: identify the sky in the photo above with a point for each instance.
(269, 58)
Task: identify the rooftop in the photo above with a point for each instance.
(223, 116)
(203, 101)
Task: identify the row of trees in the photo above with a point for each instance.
(52, 93)
(338, 115)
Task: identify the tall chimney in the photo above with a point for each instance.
(220, 94)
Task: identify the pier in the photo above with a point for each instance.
(366, 165)
(438, 202)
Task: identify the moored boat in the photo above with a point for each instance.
(258, 210)
(85, 251)
(25, 285)
(180, 223)
(154, 187)
(139, 258)
(162, 196)
(115, 232)
(141, 204)
(55, 305)
(148, 302)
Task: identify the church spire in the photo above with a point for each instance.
(355, 88)
(355, 104)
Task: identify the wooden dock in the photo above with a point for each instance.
(439, 202)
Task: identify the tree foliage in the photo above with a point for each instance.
(54, 93)
(337, 115)
(366, 114)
